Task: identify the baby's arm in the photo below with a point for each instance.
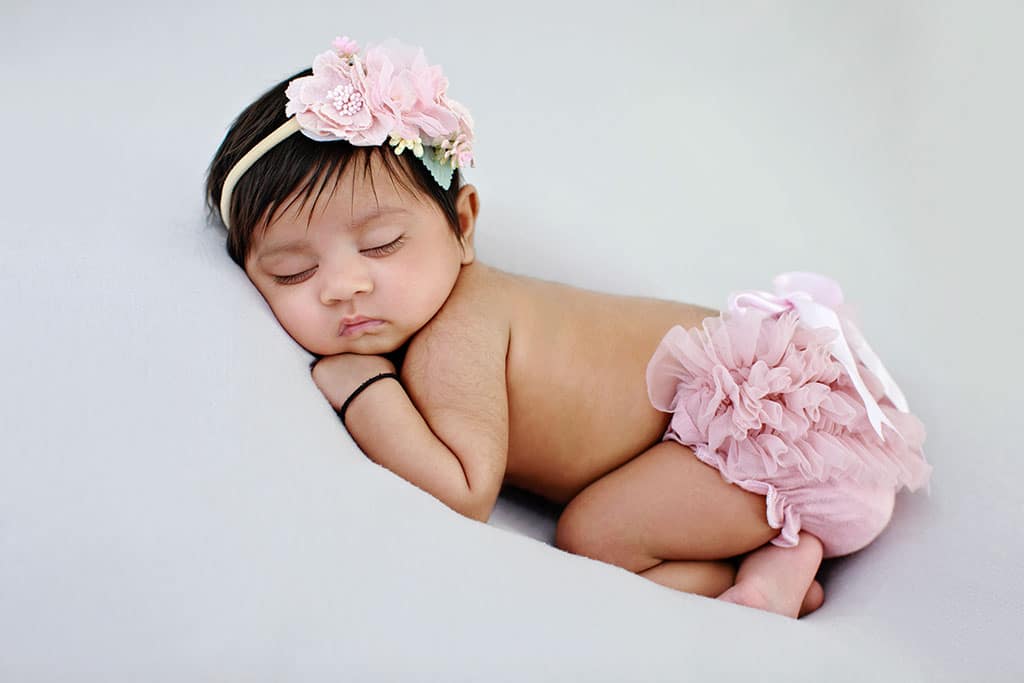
(445, 428)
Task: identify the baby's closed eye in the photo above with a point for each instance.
(294, 278)
(382, 250)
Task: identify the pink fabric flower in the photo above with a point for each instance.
(401, 83)
(392, 92)
(331, 104)
(345, 46)
(460, 145)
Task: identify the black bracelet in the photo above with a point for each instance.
(344, 406)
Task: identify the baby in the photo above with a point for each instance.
(723, 454)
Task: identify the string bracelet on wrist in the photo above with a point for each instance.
(344, 406)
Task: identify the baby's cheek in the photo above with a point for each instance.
(427, 301)
(299, 323)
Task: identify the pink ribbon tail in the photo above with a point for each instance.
(814, 297)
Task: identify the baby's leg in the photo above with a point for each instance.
(703, 577)
(664, 504)
(713, 578)
(660, 513)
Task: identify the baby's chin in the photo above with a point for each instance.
(367, 345)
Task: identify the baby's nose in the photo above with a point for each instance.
(345, 280)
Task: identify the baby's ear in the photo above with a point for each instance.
(467, 206)
(468, 251)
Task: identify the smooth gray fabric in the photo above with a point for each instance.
(179, 503)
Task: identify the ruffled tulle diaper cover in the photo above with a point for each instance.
(784, 397)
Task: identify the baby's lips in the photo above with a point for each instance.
(357, 325)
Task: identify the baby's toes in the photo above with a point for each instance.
(748, 594)
(814, 599)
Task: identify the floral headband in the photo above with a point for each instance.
(390, 92)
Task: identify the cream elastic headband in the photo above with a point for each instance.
(390, 93)
(251, 157)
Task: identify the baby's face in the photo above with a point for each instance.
(393, 264)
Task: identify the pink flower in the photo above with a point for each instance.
(345, 46)
(459, 146)
(331, 104)
(392, 92)
(410, 91)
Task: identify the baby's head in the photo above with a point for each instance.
(329, 223)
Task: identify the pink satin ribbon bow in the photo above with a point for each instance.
(814, 297)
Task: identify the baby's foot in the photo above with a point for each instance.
(814, 599)
(780, 580)
(750, 595)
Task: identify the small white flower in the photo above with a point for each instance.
(402, 144)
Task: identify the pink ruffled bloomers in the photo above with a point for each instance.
(760, 395)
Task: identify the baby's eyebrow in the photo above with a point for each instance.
(293, 245)
(301, 244)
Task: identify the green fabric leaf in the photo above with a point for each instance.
(442, 172)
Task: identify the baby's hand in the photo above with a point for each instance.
(338, 376)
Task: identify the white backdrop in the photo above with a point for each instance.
(178, 502)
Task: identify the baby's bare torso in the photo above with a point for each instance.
(575, 372)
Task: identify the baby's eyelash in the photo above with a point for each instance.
(291, 279)
(388, 248)
(382, 250)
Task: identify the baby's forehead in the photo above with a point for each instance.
(350, 200)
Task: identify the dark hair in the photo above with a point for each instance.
(299, 161)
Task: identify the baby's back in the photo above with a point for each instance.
(575, 373)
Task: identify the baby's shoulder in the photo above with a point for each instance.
(473, 324)
(480, 286)
(481, 299)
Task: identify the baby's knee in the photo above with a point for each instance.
(574, 533)
(583, 530)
